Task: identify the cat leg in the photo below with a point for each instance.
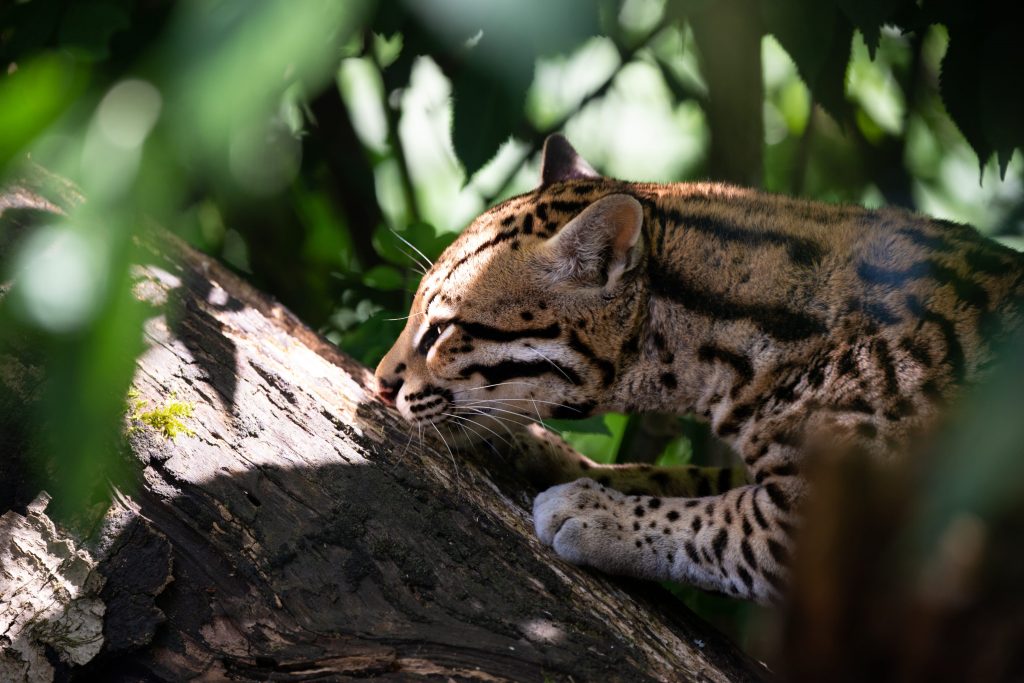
(546, 460)
(736, 543)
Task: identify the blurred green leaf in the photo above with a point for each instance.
(592, 425)
(33, 97)
(387, 49)
(601, 446)
(679, 451)
(384, 278)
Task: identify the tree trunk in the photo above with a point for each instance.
(302, 532)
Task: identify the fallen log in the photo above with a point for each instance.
(295, 529)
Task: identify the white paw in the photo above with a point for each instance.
(580, 520)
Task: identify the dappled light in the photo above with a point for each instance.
(215, 217)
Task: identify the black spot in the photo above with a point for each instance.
(847, 364)
(672, 515)
(748, 554)
(508, 220)
(606, 367)
(758, 516)
(691, 551)
(881, 349)
(740, 364)
(568, 206)
(639, 544)
(745, 577)
(638, 511)
(856, 405)
(527, 224)
(654, 503)
(697, 524)
(777, 497)
(917, 351)
(902, 408)
(867, 430)
(668, 380)
(636, 526)
(719, 542)
(400, 368)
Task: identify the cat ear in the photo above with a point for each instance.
(561, 162)
(600, 245)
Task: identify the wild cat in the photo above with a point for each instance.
(778, 320)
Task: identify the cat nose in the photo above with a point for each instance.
(388, 390)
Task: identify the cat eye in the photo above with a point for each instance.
(429, 337)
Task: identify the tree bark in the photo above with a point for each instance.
(303, 532)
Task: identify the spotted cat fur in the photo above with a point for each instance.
(782, 322)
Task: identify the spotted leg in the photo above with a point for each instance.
(735, 543)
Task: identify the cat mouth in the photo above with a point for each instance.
(430, 405)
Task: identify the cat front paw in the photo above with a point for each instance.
(582, 522)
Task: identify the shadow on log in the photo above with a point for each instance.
(301, 532)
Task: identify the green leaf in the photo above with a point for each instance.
(868, 16)
(600, 446)
(384, 278)
(818, 37)
(591, 425)
(386, 50)
(679, 451)
(32, 97)
(980, 79)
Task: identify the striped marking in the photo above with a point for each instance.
(513, 369)
(802, 251)
(777, 321)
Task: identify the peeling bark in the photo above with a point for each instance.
(303, 532)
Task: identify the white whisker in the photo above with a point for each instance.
(499, 384)
(419, 266)
(553, 364)
(429, 263)
(480, 401)
(466, 419)
(447, 447)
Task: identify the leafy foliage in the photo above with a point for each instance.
(326, 150)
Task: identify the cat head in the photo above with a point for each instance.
(526, 314)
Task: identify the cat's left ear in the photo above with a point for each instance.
(598, 246)
(561, 162)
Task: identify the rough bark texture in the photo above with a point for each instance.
(303, 533)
